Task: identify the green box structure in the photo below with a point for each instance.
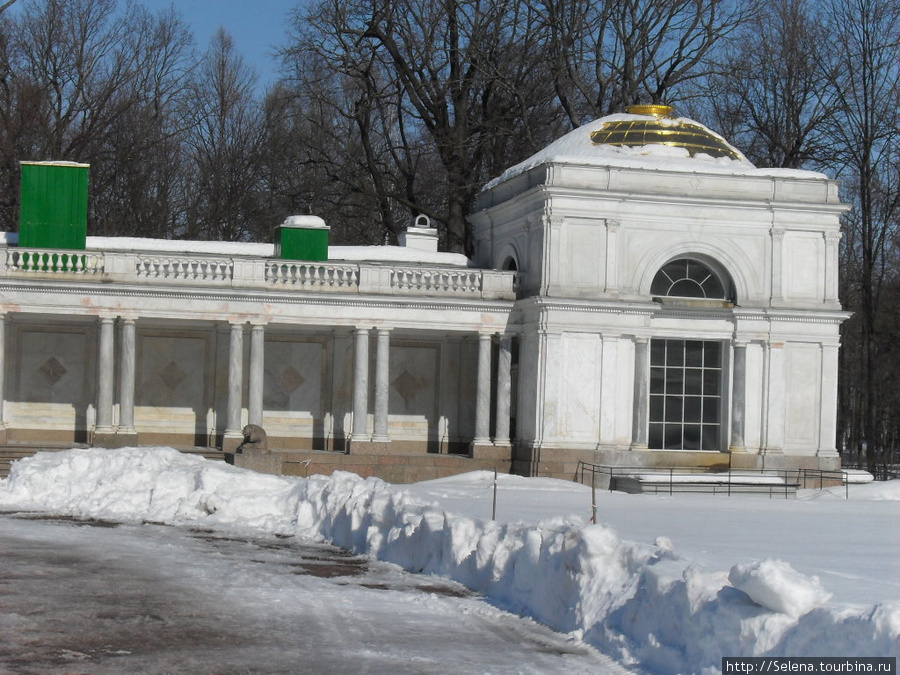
(302, 238)
(53, 205)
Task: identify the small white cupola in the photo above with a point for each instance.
(421, 236)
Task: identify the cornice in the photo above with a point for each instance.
(268, 297)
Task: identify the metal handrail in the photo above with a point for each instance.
(791, 478)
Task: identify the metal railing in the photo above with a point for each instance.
(671, 480)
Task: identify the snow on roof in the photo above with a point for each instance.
(375, 254)
(576, 147)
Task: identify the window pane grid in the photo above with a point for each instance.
(685, 394)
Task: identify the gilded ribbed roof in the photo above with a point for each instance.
(658, 126)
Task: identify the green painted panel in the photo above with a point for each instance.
(53, 205)
(301, 243)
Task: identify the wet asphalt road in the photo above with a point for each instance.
(91, 597)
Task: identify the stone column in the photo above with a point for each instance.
(828, 405)
(777, 264)
(483, 392)
(104, 432)
(382, 385)
(2, 372)
(360, 385)
(257, 374)
(832, 239)
(640, 426)
(738, 396)
(341, 390)
(127, 371)
(611, 284)
(504, 390)
(233, 435)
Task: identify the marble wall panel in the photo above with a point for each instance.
(803, 393)
(54, 379)
(578, 416)
(174, 392)
(804, 266)
(413, 393)
(295, 375)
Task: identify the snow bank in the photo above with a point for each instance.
(641, 603)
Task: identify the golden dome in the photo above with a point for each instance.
(661, 127)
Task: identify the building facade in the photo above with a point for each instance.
(640, 295)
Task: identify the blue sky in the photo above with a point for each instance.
(257, 26)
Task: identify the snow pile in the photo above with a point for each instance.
(640, 602)
(777, 586)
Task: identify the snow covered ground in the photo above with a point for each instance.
(671, 584)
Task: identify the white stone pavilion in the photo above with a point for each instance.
(641, 295)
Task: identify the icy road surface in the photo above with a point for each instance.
(92, 597)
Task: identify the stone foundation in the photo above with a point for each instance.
(392, 468)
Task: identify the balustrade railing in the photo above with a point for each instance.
(197, 270)
(306, 275)
(54, 262)
(184, 268)
(440, 280)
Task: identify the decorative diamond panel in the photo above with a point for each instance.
(172, 375)
(52, 371)
(408, 386)
(290, 380)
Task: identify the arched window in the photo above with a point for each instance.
(688, 278)
(686, 376)
(510, 264)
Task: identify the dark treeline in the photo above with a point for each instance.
(390, 108)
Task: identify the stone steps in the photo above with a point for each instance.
(11, 453)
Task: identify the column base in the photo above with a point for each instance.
(479, 450)
(104, 437)
(126, 438)
(369, 447)
(231, 440)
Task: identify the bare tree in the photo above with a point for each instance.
(223, 146)
(607, 55)
(82, 81)
(773, 96)
(452, 87)
(865, 40)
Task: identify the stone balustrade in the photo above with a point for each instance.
(208, 270)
